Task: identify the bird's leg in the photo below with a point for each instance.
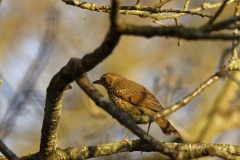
(148, 127)
(126, 137)
(147, 131)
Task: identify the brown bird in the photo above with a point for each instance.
(134, 98)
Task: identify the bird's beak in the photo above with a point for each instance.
(97, 82)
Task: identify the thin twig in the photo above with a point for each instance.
(186, 5)
(6, 151)
(137, 4)
(144, 12)
(210, 22)
(162, 2)
(159, 23)
(167, 111)
(234, 63)
(179, 41)
(204, 6)
(235, 32)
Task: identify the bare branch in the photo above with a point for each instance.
(235, 32)
(174, 31)
(6, 151)
(114, 13)
(195, 150)
(137, 3)
(218, 13)
(145, 12)
(187, 150)
(230, 22)
(61, 81)
(186, 5)
(176, 22)
(182, 12)
(167, 111)
(162, 2)
(123, 117)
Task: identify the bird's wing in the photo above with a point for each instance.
(138, 95)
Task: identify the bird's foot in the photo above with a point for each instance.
(124, 140)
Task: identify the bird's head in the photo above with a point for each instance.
(107, 79)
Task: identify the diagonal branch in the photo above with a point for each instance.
(5, 150)
(167, 111)
(60, 82)
(123, 117)
(76, 68)
(186, 5)
(210, 22)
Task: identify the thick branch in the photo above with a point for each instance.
(193, 150)
(61, 81)
(188, 150)
(173, 31)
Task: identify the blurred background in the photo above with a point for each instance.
(39, 37)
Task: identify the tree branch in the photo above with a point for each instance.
(174, 31)
(61, 81)
(153, 12)
(76, 68)
(6, 151)
(167, 111)
(188, 150)
(123, 117)
(210, 22)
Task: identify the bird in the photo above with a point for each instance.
(135, 99)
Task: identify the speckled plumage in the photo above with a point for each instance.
(134, 98)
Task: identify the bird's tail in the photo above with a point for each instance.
(166, 127)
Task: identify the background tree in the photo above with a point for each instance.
(39, 38)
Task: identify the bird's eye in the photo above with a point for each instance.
(104, 79)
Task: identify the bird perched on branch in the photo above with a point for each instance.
(135, 99)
